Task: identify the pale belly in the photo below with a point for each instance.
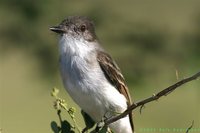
(87, 85)
(92, 92)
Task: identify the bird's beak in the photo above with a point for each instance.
(58, 29)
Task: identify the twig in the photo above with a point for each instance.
(59, 104)
(141, 103)
(190, 127)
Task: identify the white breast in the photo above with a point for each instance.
(85, 81)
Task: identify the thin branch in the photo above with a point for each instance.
(190, 127)
(141, 103)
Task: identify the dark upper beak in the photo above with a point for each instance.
(58, 29)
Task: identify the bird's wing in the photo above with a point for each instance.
(114, 76)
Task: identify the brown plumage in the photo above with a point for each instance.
(114, 76)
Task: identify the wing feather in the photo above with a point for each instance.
(114, 76)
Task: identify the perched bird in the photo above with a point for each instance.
(90, 75)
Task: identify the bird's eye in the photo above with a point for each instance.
(83, 28)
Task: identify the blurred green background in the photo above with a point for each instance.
(149, 40)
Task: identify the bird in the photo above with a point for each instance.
(90, 75)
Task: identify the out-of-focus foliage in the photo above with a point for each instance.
(136, 37)
(149, 40)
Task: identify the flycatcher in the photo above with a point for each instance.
(90, 75)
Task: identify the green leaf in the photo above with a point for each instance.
(54, 92)
(72, 111)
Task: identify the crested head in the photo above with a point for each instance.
(77, 27)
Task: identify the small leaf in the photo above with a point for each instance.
(63, 104)
(55, 127)
(65, 127)
(55, 92)
(88, 121)
(72, 111)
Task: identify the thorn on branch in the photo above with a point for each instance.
(141, 108)
(187, 131)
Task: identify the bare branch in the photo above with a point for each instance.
(190, 127)
(154, 97)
